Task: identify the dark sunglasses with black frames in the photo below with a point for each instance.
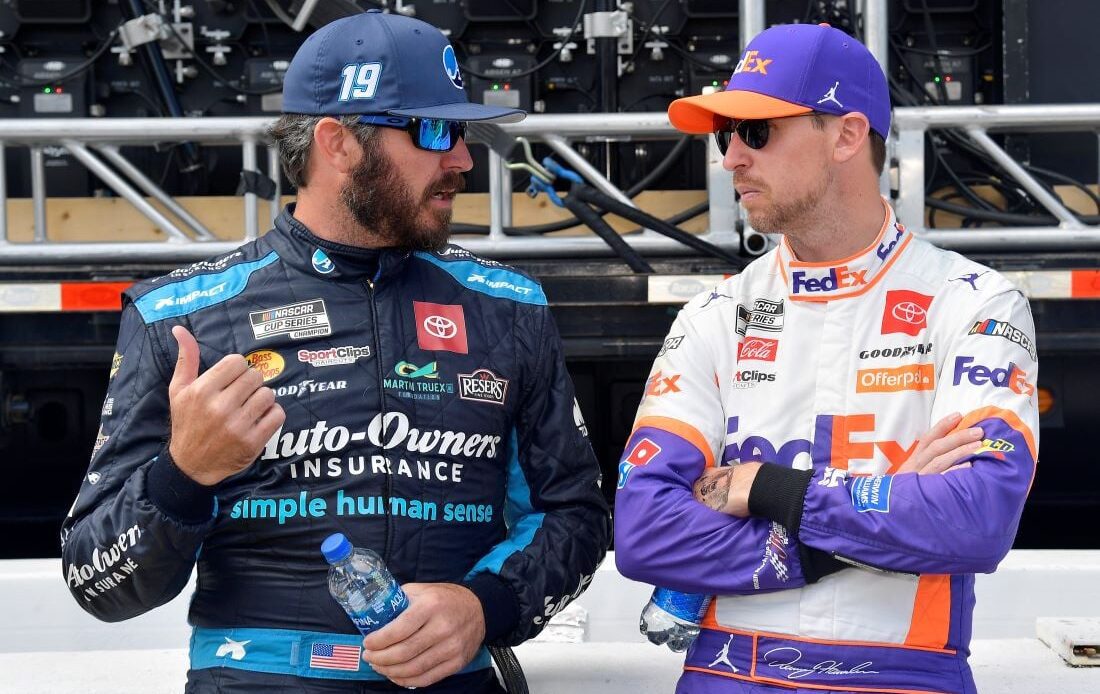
(753, 132)
(430, 134)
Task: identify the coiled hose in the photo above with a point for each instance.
(510, 670)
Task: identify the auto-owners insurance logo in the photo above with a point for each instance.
(482, 386)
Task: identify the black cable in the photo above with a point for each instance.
(631, 192)
(211, 70)
(602, 229)
(689, 213)
(1004, 217)
(645, 32)
(79, 69)
(604, 201)
(544, 63)
(964, 53)
(688, 56)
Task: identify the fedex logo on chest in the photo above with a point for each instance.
(838, 441)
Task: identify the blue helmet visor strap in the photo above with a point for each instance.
(431, 134)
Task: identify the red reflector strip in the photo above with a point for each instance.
(92, 296)
(1086, 284)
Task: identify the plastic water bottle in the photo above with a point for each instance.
(672, 618)
(359, 580)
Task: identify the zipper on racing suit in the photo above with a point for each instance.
(387, 491)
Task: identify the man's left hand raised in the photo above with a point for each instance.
(435, 637)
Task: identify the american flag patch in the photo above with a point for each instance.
(330, 656)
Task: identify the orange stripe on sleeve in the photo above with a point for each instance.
(681, 429)
(931, 619)
(1009, 417)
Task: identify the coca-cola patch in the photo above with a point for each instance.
(757, 349)
(482, 386)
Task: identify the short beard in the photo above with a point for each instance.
(789, 215)
(380, 201)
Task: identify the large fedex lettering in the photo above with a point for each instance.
(832, 445)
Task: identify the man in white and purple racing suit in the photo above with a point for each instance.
(796, 401)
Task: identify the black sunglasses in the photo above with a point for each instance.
(753, 132)
(431, 134)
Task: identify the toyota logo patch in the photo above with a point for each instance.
(440, 327)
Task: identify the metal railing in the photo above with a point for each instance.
(96, 143)
(978, 122)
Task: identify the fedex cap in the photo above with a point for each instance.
(789, 70)
(382, 64)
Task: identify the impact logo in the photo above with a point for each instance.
(172, 301)
(450, 66)
(837, 278)
(1011, 376)
(322, 263)
(498, 284)
(752, 62)
(116, 364)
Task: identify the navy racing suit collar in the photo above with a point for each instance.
(309, 253)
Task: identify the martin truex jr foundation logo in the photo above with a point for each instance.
(482, 386)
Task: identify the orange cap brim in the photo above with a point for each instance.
(699, 115)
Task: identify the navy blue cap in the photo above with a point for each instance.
(377, 63)
(336, 547)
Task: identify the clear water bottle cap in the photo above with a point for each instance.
(336, 547)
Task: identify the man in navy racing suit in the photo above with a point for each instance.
(347, 372)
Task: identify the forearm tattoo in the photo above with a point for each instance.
(714, 490)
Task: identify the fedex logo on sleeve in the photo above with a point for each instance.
(836, 278)
(1011, 376)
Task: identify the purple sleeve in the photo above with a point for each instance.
(665, 537)
(963, 521)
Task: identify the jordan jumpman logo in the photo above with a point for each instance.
(724, 656)
(831, 96)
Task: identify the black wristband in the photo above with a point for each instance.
(176, 494)
(498, 602)
(777, 494)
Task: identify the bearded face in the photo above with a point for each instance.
(379, 198)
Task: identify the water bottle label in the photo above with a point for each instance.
(685, 606)
(383, 609)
